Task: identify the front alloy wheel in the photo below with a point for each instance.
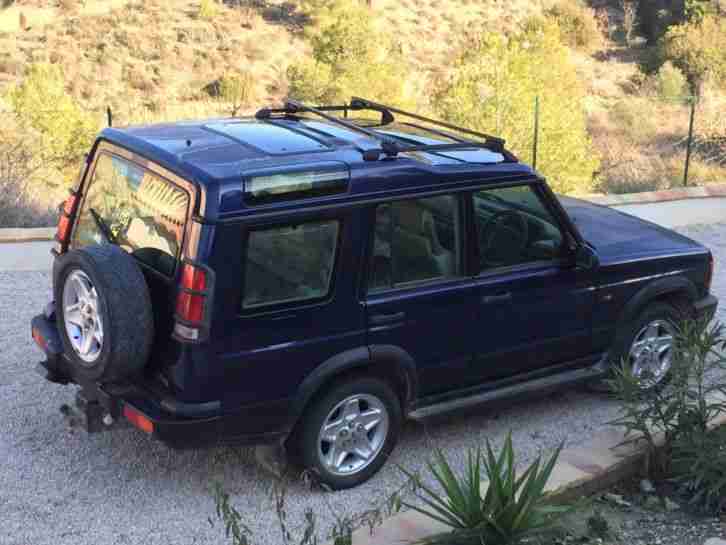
(651, 353)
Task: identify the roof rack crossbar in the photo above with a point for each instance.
(265, 113)
(496, 142)
(389, 146)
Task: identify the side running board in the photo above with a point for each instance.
(531, 386)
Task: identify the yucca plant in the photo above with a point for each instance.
(514, 507)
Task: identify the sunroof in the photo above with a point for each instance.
(268, 137)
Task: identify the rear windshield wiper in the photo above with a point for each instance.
(103, 227)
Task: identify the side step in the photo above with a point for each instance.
(538, 385)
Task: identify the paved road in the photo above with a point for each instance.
(680, 213)
(58, 487)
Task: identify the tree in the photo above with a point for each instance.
(350, 57)
(493, 89)
(42, 103)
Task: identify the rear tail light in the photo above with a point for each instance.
(65, 221)
(192, 301)
(138, 420)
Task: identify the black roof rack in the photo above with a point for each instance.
(389, 146)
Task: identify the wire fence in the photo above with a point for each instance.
(650, 143)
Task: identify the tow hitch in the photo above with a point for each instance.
(91, 415)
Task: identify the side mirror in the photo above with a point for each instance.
(586, 257)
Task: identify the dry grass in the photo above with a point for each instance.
(154, 60)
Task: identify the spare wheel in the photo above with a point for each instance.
(104, 312)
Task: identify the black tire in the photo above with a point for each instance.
(304, 443)
(625, 338)
(124, 307)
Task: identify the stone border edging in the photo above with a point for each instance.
(646, 197)
(580, 471)
(34, 234)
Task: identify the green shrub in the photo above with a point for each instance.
(681, 411)
(670, 82)
(208, 9)
(350, 57)
(493, 89)
(42, 103)
(698, 49)
(699, 464)
(577, 23)
(514, 508)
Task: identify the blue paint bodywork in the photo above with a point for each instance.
(263, 367)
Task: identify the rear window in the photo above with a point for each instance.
(143, 214)
(291, 263)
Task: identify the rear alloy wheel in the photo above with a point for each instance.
(353, 434)
(346, 436)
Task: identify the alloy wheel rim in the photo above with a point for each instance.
(82, 317)
(353, 434)
(651, 353)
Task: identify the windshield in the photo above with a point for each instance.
(129, 206)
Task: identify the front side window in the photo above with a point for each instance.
(514, 227)
(135, 209)
(415, 241)
(288, 264)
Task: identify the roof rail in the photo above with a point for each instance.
(389, 146)
(364, 103)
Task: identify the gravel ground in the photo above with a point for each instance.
(62, 487)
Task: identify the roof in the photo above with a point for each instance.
(218, 153)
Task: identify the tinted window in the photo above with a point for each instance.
(514, 227)
(414, 241)
(144, 214)
(290, 263)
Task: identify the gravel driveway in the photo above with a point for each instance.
(62, 487)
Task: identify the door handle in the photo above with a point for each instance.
(381, 319)
(497, 298)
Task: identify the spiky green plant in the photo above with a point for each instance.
(514, 507)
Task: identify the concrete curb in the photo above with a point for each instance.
(580, 471)
(647, 197)
(27, 235)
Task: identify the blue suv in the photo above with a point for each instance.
(314, 276)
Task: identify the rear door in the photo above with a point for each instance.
(534, 307)
(144, 209)
(418, 298)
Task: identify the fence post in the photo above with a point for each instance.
(536, 132)
(690, 141)
(109, 116)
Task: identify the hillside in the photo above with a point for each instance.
(172, 59)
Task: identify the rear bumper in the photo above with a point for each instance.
(177, 423)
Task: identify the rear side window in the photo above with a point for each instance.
(291, 263)
(143, 213)
(415, 241)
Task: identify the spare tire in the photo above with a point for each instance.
(104, 314)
